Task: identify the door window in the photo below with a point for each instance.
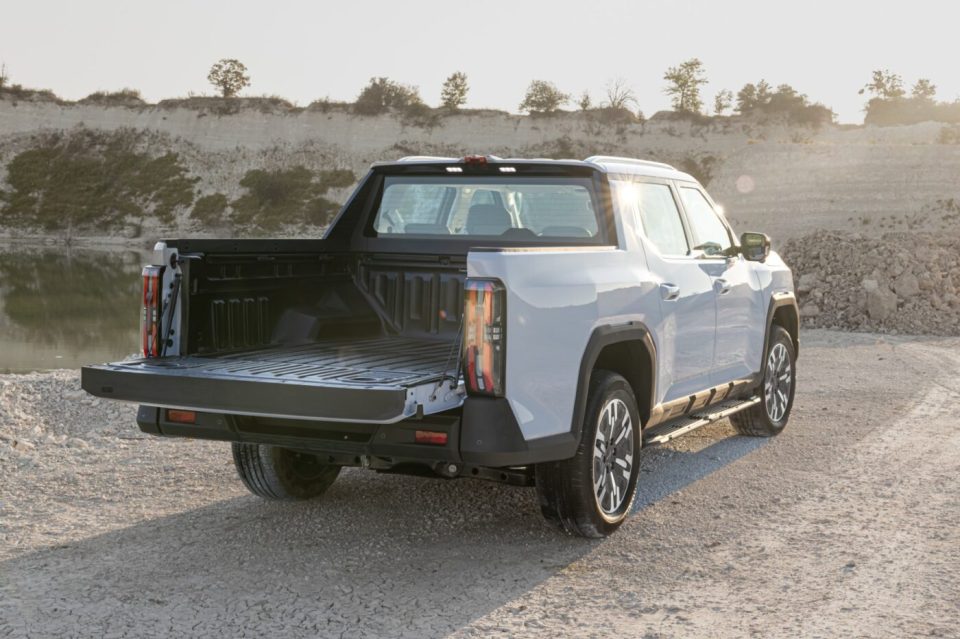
(709, 233)
(660, 219)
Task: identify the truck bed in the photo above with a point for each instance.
(379, 380)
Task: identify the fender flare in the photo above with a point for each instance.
(600, 338)
(779, 300)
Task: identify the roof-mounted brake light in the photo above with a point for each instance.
(475, 160)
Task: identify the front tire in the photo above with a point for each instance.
(592, 493)
(279, 473)
(769, 417)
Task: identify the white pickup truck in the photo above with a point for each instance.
(528, 321)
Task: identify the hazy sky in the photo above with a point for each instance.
(308, 50)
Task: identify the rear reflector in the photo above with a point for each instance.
(182, 416)
(150, 329)
(430, 437)
(484, 336)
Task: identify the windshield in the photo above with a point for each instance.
(508, 208)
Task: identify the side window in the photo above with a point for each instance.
(710, 235)
(660, 218)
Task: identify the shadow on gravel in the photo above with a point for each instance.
(380, 556)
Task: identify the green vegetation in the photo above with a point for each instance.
(890, 104)
(383, 94)
(722, 101)
(543, 97)
(683, 85)
(125, 97)
(785, 101)
(288, 196)
(210, 210)
(228, 76)
(93, 179)
(454, 92)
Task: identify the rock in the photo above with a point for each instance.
(907, 285)
(881, 303)
(810, 310)
(870, 285)
(808, 281)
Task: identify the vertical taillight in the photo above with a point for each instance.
(484, 336)
(150, 322)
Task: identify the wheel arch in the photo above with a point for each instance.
(784, 312)
(627, 350)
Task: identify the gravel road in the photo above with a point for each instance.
(848, 524)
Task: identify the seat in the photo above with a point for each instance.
(488, 219)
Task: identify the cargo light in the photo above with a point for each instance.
(430, 437)
(181, 416)
(150, 320)
(484, 337)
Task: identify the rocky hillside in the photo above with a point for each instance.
(209, 167)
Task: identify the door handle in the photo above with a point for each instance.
(723, 286)
(669, 291)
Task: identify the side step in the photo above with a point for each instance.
(675, 428)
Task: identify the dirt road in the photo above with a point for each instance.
(848, 524)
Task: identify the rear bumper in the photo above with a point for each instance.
(484, 433)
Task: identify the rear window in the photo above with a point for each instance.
(513, 208)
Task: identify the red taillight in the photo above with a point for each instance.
(150, 329)
(430, 437)
(475, 160)
(181, 416)
(484, 336)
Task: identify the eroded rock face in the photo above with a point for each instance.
(875, 284)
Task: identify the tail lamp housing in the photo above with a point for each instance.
(151, 331)
(484, 337)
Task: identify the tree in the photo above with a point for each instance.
(382, 94)
(619, 95)
(684, 84)
(454, 92)
(722, 101)
(924, 89)
(885, 85)
(584, 101)
(228, 76)
(3, 76)
(543, 97)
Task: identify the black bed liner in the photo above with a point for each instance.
(345, 379)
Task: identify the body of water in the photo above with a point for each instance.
(65, 307)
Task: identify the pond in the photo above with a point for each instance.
(65, 307)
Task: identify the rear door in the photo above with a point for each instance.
(687, 334)
(740, 314)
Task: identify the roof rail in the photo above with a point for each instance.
(424, 158)
(613, 158)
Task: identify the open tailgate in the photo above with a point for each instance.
(379, 380)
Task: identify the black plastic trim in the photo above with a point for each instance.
(602, 337)
(491, 436)
(779, 300)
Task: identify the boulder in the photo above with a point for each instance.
(881, 303)
(907, 285)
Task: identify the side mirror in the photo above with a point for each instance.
(755, 246)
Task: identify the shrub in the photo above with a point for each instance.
(288, 196)
(94, 179)
(383, 94)
(543, 97)
(209, 210)
(785, 101)
(122, 97)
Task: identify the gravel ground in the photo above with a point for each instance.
(848, 524)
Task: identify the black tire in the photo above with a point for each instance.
(272, 472)
(761, 420)
(566, 489)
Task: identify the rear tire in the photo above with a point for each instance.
(592, 493)
(769, 417)
(272, 472)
